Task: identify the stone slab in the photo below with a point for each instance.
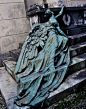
(8, 65)
(14, 26)
(78, 2)
(53, 3)
(78, 38)
(78, 49)
(77, 63)
(8, 87)
(11, 11)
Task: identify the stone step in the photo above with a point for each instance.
(8, 87)
(10, 67)
(3, 56)
(78, 46)
(71, 84)
(78, 38)
(75, 50)
(78, 49)
(15, 54)
(77, 63)
(20, 45)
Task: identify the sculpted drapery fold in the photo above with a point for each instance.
(43, 62)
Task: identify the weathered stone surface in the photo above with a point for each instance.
(52, 3)
(15, 54)
(16, 107)
(0, 47)
(78, 2)
(78, 49)
(70, 85)
(8, 87)
(78, 38)
(32, 2)
(11, 42)
(10, 67)
(77, 63)
(14, 26)
(13, 10)
(10, 1)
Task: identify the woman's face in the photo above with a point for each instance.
(48, 13)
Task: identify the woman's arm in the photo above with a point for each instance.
(61, 11)
(61, 32)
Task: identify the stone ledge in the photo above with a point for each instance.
(78, 49)
(10, 69)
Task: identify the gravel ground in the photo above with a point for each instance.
(74, 101)
(2, 103)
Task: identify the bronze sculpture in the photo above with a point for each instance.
(43, 62)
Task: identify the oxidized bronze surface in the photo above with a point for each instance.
(43, 62)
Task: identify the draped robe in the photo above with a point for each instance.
(42, 64)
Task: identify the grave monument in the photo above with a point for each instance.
(43, 61)
(45, 57)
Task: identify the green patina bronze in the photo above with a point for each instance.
(43, 62)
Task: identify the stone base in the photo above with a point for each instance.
(8, 87)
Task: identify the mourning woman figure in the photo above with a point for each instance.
(43, 62)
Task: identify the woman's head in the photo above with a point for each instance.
(48, 12)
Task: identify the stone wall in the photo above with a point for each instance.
(74, 2)
(14, 26)
(78, 2)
